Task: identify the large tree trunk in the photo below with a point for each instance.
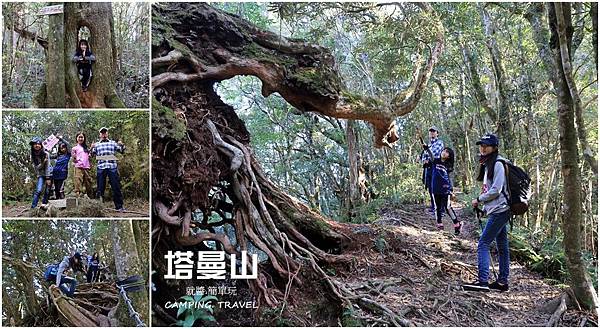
(55, 64)
(202, 159)
(128, 264)
(63, 88)
(559, 15)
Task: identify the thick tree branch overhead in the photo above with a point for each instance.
(221, 46)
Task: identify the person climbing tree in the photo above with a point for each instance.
(92, 271)
(441, 187)
(105, 151)
(68, 262)
(43, 171)
(84, 58)
(436, 146)
(495, 205)
(81, 163)
(61, 168)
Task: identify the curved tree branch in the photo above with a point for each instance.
(303, 74)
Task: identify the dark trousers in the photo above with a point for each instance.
(113, 178)
(59, 188)
(86, 73)
(441, 203)
(92, 274)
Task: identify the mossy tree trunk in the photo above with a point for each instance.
(559, 15)
(128, 264)
(63, 88)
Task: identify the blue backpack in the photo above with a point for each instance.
(50, 273)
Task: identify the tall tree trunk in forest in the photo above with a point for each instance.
(559, 15)
(55, 63)
(189, 115)
(63, 87)
(128, 264)
(594, 15)
(354, 195)
(504, 115)
(535, 16)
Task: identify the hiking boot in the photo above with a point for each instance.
(457, 228)
(440, 226)
(120, 209)
(499, 286)
(476, 286)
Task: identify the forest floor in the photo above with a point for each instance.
(406, 264)
(134, 208)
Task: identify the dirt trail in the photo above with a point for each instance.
(133, 209)
(404, 263)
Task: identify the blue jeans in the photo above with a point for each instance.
(113, 178)
(72, 284)
(38, 191)
(494, 229)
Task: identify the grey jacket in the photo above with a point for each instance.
(493, 199)
(43, 169)
(63, 266)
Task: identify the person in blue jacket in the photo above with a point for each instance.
(441, 187)
(61, 168)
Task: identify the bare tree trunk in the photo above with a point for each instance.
(559, 16)
(594, 15)
(353, 188)
(55, 63)
(504, 115)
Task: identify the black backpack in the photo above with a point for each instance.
(519, 189)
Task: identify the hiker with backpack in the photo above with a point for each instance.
(499, 203)
(55, 273)
(441, 187)
(436, 146)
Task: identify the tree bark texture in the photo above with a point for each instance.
(559, 15)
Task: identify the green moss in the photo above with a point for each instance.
(165, 123)
(350, 320)
(113, 101)
(256, 52)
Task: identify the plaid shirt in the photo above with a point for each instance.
(107, 147)
(436, 146)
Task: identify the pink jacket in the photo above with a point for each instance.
(81, 158)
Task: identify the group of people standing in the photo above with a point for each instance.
(438, 164)
(51, 170)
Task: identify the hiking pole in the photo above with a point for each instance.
(478, 213)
